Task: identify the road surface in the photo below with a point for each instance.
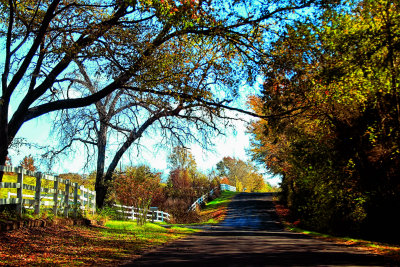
(251, 235)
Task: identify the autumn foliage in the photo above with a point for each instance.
(28, 163)
(332, 128)
(225, 180)
(243, 175)
(184, 185)
(138, 187)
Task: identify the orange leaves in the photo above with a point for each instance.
(69, 245)
(137, 187)
(255, 103)
(28, 163)
(225, 180)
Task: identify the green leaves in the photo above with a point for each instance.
(182, 14)
(242, 175)
(332, 89)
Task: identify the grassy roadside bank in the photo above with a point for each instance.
(215, 211)
(392, 251)
(60, 245)
(115, 243)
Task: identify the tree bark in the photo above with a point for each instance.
(100, 186)
(101, 193)
(4, 143)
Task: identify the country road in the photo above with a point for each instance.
(252, 236)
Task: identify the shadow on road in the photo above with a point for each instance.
(251, 235)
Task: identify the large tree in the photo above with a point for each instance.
(338, 146)
(44, 38)
(182, 110)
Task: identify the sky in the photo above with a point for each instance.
(234, 144)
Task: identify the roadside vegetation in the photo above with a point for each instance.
(114, 243)
(111, 240)
(58, 244)
(215, 210)
(331, 98)
(291, 224)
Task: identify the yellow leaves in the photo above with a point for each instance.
(372, 135)
(182, 14)
(255, 103)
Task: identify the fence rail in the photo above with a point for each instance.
(205, 197)
(226, 187)
(63, 194)
(131, 213)
(202, 199)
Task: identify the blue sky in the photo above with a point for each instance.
(235, 143)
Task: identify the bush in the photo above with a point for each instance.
(178, 208)
(138, 187)
(110, 213)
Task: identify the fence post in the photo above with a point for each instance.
(66, 199)
(55, 197)
(94, 201)
(154, 212)
(38, 191)
(133, 213)
(88, 199)
(76, 200)
(20, 180)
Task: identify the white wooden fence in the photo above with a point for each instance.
(132, 213)
(205, 197)
(202, 199)
(63, 195)
(226, 187)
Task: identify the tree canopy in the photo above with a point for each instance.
(243, 175)
(334, 83)
(121, 40)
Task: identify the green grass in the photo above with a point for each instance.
(131, 226)
(223, 200)
(150, 231)
(215, 211)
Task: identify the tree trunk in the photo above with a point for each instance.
(133, 136)
(101, 193)
(100, 186)
(4, 142)
(3, 158)
(106, 180)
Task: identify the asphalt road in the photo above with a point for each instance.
(252, 236)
